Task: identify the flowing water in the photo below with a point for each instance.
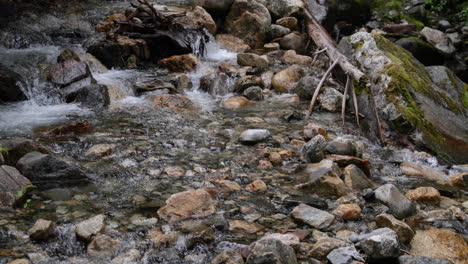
(129, 185)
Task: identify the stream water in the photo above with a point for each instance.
(129, 185)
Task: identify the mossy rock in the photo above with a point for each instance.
(409, 101)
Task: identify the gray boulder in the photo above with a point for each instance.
(94, 96)
(10, 85)
(48, 172)
(305, 88)
(439, 40)
(400, 206)
(380, 244)
(313, 151)
(271, 251)
(344, 255)
(341, 146)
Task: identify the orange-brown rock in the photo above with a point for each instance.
(428, 195)
(181, 63)
(348, 211)
(176, 102)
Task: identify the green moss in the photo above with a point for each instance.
(358, 45)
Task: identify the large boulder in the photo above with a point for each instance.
(48, 172)
(17, 148)
(186, 205)
(249, 21)
(10, 85)
(409, 101)
(11, 181)
(93, 96)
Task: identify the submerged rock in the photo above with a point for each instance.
(47, 172)
(92, 96)
(103, 246)
(232, 43)
(236, 102)
(186, 205)
(177, 102)
(253, 136)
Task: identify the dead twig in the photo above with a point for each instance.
(317, 90)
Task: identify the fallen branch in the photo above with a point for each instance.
(317, 90)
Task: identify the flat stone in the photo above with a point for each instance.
(312, 216)
(245, 227)
(186, 205)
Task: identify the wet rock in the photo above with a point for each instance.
(186, 205)
(344, 161)
(271, 251)
(427, 195)
(416, 114)
(47, 172)
(349, 212)
(288, 22)
(286, 80)
(278, 31)
(324, 179)
(459, 180)
(354, 178)
(291, 57)
(400, 206)
(257, 186)
(249, 21)
(412, 169)
(10, 85)
(305, 88)
(100, 150)
(293, 41)
(90, 227)
(438, 39)
(236, 102)
(331, 99)
(41, 230)
(312, 216)
(215, 6)
(253, 93)
(232, 43)
(228, 257)
(311, 130)
(380, 244)
(344, 255)
(248, 81)
(11, 181)
(229, 185)
(108, 24)
(68, 72)
(313, 151)
(177, 102)
(440, 243)
(251, 59)
(67, 55)
(67, 131)
(103, 246)
(181, 63)
(94, 96)
(407, 259)
(245, 227)
(405, 232)
(131, 256)
(325, 245)
(216, 84)
(105, 52)
(253, 136)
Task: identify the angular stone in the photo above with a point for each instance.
(232, 43)
(271, 251)
(325, 245)
(427, 195)
(324, 179)
(186, 205)
(438, 39)
(344, 255)
(404, 231)
(349, 212)
(286, 80)
(251, 59)
(312, 216)
(257, 186)
(181, 63)
(103, 246)
(400, 206)
(88, 228)
(380, 244)
(356, 179)
(11, 181)
(313, 151)
(245, 227)
(41, 230)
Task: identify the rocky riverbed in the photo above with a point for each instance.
(108, 156)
